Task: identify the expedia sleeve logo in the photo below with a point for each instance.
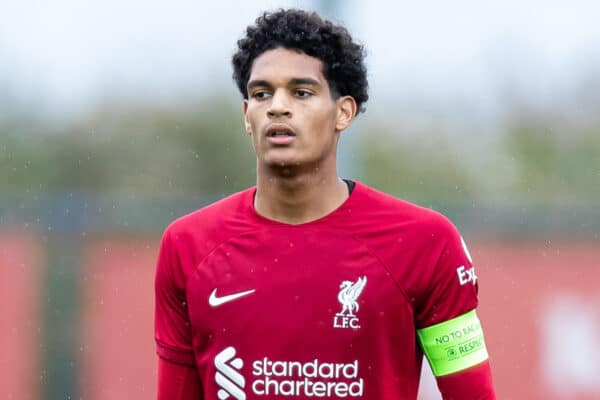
(466, 275)
(287, 378)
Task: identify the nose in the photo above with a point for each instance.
(279, 106)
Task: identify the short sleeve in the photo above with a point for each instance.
(172, 329)
(451, 289)
(448, 327)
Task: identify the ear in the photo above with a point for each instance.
(346, 110)
(246, 121)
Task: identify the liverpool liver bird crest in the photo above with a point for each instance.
(349, 292)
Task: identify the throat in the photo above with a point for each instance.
(301, 201)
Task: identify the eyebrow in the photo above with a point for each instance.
(293, 81)
(304, 81)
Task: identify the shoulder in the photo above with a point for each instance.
(200, 231)
(383, 208)
(188, 239)
(213, 215)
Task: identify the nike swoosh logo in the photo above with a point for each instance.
(215, 301)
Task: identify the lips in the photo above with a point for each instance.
(280, 130)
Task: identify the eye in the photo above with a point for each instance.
(303, 93)
(260, 94)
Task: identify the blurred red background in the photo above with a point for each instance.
(21, 341)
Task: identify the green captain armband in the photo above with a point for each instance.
(454, 345)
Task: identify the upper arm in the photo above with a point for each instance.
(449, 284)
(448, 327)
(171, 323)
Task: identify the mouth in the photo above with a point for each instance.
(280, 130)
(280, 135)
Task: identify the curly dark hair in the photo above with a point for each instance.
(307, 32)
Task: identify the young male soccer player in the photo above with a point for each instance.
(308, 286)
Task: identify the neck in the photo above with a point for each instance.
(294, 197)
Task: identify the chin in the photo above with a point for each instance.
(280, 160)
(282, 163)
(293, 162)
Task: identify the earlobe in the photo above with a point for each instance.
(345, 113)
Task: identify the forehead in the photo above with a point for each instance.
(283, 65)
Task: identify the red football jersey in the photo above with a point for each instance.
(326, 309)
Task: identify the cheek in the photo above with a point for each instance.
(254, 127)
(252, 113)
(325, 125)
